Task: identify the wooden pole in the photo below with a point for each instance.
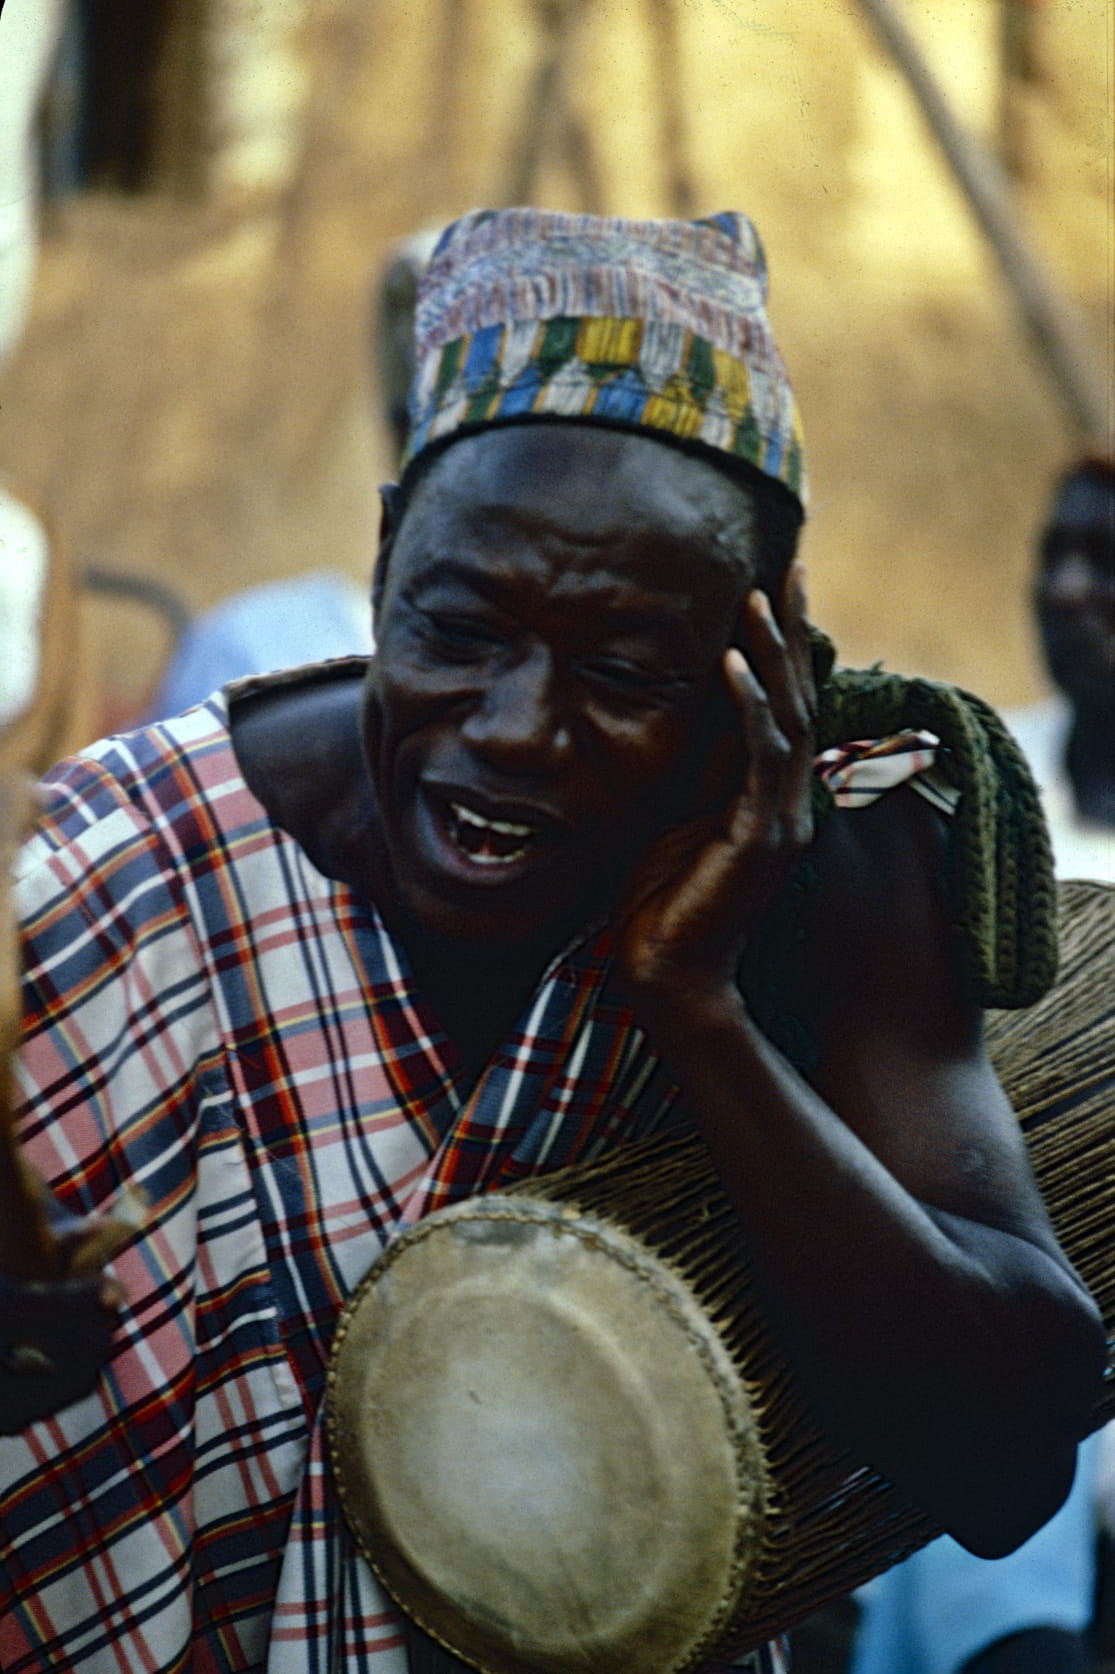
(666, 42)
(1053, 328)
(27, 1250)
(38, 634)
(546, 118)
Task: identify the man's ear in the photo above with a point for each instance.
(390, 516)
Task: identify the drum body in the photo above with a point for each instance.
(567, 1440)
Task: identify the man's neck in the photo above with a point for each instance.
(1090, 760)
(476, 991)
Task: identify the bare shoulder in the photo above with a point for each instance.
(298, 747)
(902, 1055)
(879, 928)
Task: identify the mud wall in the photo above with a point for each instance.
(193, 397)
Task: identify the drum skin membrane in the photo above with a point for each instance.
(542, 1447)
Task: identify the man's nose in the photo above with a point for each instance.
(1069, 580)
(520, 719)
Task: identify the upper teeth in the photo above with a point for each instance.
(508, 828)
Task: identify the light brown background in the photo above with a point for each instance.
(192, 398)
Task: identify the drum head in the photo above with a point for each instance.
(542, 1447)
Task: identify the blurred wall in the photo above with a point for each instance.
(192, 397)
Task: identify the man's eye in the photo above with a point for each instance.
(458, 634)
(629, 679)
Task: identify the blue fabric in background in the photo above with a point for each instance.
(278, 625)
(934, 1612)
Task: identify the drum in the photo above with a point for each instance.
(563, 1434)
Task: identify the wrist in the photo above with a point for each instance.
(687, 1010)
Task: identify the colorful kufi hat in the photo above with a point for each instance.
(646, 325)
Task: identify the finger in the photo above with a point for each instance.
(780, 740)
(794, 620)
(767, 746)
(111, 1295)
(778, 670)
(54, 1340)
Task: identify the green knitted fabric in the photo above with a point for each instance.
(1000, 869)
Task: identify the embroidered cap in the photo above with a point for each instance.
(647, 325)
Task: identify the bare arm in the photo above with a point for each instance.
(901, 1243)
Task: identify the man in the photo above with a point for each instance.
(1068, 737)
(356, 943)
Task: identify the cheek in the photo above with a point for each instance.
(648, 770)
(706, 762)
(371, 737)
(406, 692)
(394, 707)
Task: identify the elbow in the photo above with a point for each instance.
(1082, 1359)
(1012, 1513)
(1059, 1395)
(1009, 1519)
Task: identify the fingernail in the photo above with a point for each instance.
(27, 1360)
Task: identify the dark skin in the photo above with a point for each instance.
(581, 704)
(1074, 598)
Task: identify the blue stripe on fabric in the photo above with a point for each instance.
(622, 398)
(482, 361)
(521, 396)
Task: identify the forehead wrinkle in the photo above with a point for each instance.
(586, 494)
(516, 512)
(618, 605)
(546, 455)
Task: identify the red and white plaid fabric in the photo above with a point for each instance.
(209, 1018)
(858, 774)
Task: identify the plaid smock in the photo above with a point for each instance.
(210, 1018)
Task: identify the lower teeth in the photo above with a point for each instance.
(484, 859)
(465, 835)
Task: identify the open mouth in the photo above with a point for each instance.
(488, 842)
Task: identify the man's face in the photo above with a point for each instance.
(549, 634)
(1075, 591)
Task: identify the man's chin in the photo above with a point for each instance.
(544, 920)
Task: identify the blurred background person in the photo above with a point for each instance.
(392, 331)
(1069, 737)
(29, 31)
